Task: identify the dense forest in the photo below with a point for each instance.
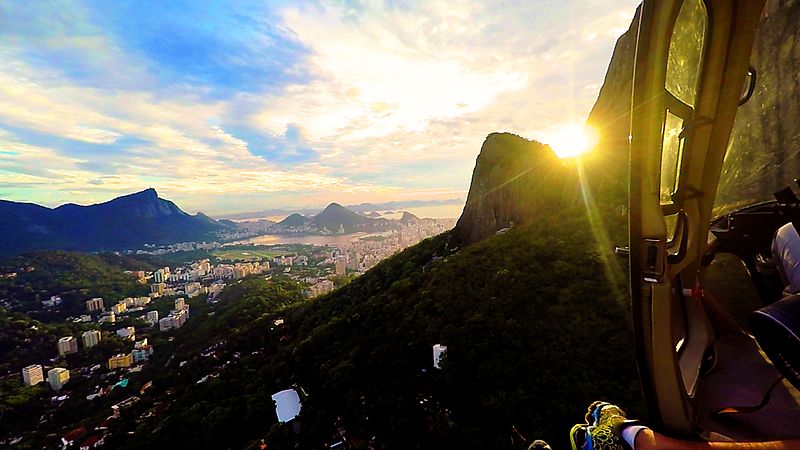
(534, 333)
(74, 276)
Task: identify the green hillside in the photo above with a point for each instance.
(74, 276)
(534, 330)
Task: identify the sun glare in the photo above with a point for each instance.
(573, 140)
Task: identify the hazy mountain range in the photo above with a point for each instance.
(361, 208)
(335, 218)
(129, 221)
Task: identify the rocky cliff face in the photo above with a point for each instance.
(764, 152)
(515, 180)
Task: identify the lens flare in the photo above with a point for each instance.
(573, 140)
(611, 268)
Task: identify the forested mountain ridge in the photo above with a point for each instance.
(515, 181)
(337, 218)
(124, 222)
(533, 329)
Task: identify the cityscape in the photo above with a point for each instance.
(130, 330)
(380, 225)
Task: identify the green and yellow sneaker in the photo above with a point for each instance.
(602, 430)
(539, 445)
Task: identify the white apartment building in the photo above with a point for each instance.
(32, 375)
(95, 304)
(91, 338)
(66, 345)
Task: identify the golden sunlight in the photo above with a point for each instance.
(573, 140)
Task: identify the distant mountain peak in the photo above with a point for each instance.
(294, 220)
(408, 217)
(336, 217)
(125, 222)
(148, 193)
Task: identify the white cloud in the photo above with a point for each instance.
(395, 87)
(398, 103)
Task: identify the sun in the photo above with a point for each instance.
(572, 140)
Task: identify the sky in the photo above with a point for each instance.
(246, 105)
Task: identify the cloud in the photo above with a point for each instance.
(248, 104)
(396, 86)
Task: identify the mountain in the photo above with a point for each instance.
(400, 204)
(407, 217)
(360, 208)
(762, 156)
(125, 222)
(294, 221)
(45, 273)
(279, 212)
(515, 181)
(525, 349)
(336, 217)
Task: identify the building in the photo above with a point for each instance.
(215, 289)
(180, 303)
(157, 289)
(55, 300)
(66, 345)
(119, 308)
(32, 375)
(205, 266)
(128, 402)
(141, 351)
(128, 333)
(161, 275)
(340, 267)
(141, 301)
(353, 261)
(152, 317)
(109, 317)
(91, 338)
(95, 304)
(175, 319)
(194, 289)
(120, 360)
(57, 377)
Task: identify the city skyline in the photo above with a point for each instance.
(231, 108)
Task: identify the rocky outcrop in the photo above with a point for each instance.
(764, 151)
(764, 154)
(515, 180)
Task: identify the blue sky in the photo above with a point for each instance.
(247, 105)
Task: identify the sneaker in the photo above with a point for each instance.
(602, 430)
(539, 445)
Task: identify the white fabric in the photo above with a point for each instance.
(438, 350)
(786, 250)
(629, 434)
(287, 404)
